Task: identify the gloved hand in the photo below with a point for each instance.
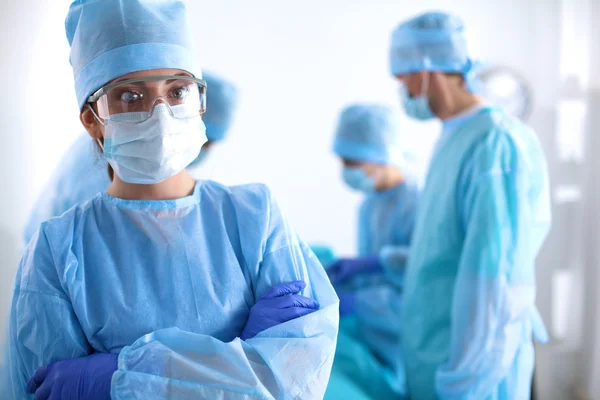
(279, 304)
(347, 304)
(346, 268)
(78, 378)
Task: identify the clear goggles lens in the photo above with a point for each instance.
(141, 96)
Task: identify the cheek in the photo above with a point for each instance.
(413, 88)
(413, 84)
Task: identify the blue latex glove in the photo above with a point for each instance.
(279, 304)
(78, 378)
(347, 304)
(346, 268)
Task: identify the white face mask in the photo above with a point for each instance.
(156, 149)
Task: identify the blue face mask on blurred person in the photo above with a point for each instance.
(417, 107)
(357, 179)
(156, 149)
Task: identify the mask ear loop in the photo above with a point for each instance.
(100, 121)
(425, 89)
(96, 115)
(100, 144)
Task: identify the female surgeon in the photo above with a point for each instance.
(162, 287)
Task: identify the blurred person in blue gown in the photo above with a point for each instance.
(369, 143)
(468, 313)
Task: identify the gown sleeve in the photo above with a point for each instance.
(43, 327)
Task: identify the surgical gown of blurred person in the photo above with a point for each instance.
(369, 342)
(168, 285)
(487, 285)
(82, 172)
(469, 309)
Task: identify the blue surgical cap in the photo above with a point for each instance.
(221, 101)
(369, 132)
(112, 38)
(433, 41)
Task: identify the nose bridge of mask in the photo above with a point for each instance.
(160, 108)
(161, 121)
(185, 110)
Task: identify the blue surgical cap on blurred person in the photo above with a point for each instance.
(369, 132)
(221, 105)
(433, 41)
(112, 38)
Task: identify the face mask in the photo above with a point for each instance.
(357, 179)
(417, 107)
(156, 149)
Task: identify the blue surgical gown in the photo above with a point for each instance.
(469, 292)
(169, 286)
(369, 344)
(81, 174)
(386, 222)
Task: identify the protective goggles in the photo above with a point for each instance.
(140, 96)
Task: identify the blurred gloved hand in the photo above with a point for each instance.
(279, 304)
(346, 268)
(347, 304)
(78, 378)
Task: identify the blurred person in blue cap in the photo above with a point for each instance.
(468, 312)
(82, 173)
(163, 286)
(221, 105)
(368, 142)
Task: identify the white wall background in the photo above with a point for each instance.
(296, 64)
